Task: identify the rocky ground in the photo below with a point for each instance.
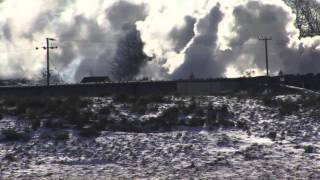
(214, 137)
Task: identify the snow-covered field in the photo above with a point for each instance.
(265, 142)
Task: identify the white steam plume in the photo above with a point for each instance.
(209, 38)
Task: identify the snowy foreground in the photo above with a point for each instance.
(263, 139)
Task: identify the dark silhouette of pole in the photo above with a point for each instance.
(48, 64)
(48, 47)
(266, 49)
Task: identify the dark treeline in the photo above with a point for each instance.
(308, 16)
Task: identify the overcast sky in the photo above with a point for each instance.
(208, 38)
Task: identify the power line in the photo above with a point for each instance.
(16, 51)
(88, 41)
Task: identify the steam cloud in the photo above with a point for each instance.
(199, 56)
(117, 38)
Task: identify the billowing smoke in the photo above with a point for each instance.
(199, 57)
(115, 50)
(226, 42)
(181, 36)
(116, 38)
(94, 38)
(287, 53)
(129, 57)
(123, 56)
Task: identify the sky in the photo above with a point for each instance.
(168, 39)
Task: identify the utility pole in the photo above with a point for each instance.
(266, 49)
(48, 47)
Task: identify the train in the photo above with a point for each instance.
(102, 86)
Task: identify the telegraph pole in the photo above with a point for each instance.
(266, 49)
(48, 47)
